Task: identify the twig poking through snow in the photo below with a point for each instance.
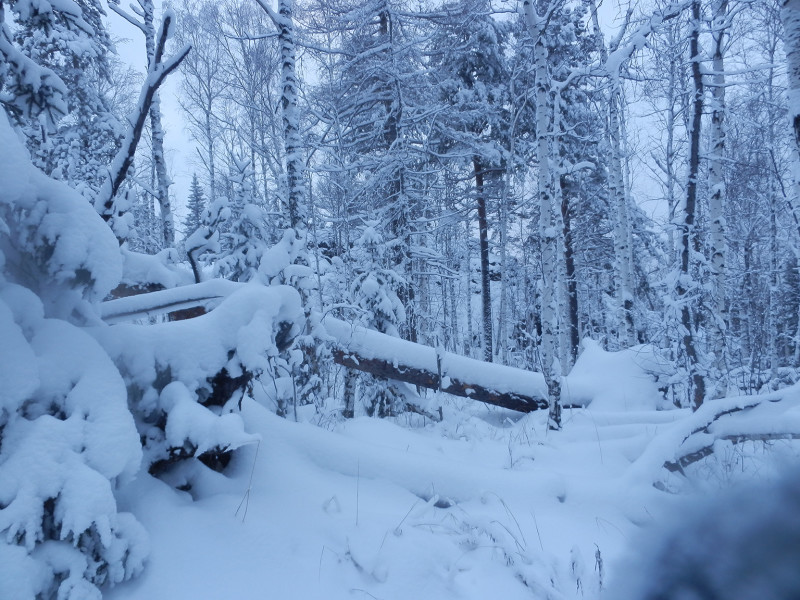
(246, 498)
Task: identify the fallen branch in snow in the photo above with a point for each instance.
(679, 464)
(766, 420)
(207, 295)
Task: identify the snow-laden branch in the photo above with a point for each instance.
(123, 160)
(774, 416)
(114, 6)
(638, 39)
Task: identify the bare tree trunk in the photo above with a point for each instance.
(295, 165)
(551, 369)
(157, 132)
(483, 234)
(716, 207)
(687, 287)
(790, 15)
(157, 71)
(572, 322)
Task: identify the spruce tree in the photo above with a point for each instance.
(196, 205)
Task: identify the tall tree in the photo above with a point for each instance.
(469, 68)
(548, 235)
(145, 10)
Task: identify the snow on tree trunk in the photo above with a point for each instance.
(293, 143)
(687, 287)
(157, 131)
(551, 368)
(483, 232)
(790, 15)
(716, 207)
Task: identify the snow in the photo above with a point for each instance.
(622, 380)
(160, 269)
(52, 224)
(371, 344)
(376, 509)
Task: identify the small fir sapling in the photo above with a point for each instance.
(374, 290)
(244, 241)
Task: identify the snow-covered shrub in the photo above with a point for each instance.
(374, 291)
(186, 378)
(66, 435)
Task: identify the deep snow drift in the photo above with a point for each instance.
(486, 504)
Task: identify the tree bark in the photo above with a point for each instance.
(716, 206)
(687, 287)
(483, 233)
(548, 235)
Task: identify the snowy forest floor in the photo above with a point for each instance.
(486, 504)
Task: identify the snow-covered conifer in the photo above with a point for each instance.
(195, 205)
(374, 291)
(245, 238)
(67, 435)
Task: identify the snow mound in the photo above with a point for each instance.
(67, 436)
(615, 381)
(51, 239)
(186, 378)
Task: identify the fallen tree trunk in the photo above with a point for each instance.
(369, 351)
(385, 356)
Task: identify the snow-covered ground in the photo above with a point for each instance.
(486, 504)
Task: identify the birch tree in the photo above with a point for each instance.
(548, 234)
(144, 20)
(716, 208)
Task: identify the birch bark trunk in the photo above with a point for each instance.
(686, 286)
(716, 206)
(551, 367)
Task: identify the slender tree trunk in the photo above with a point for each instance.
(293, 143)
(483, 234)
(551, 369)
(469, 346)
(157, 134)
(790, 15)
(716, 207)
(573, 321)
(687, 287)
(626, 335)
(565, 350)
(623, 259)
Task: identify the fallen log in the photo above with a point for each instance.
(369, 351)
(385, 356)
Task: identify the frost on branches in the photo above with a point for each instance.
(66, 435)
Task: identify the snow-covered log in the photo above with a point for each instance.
(367, 350)
(386, 356)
